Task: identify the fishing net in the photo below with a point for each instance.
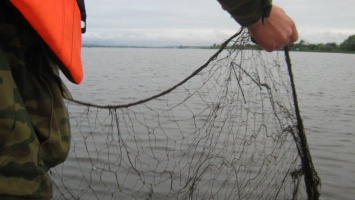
(230, 130)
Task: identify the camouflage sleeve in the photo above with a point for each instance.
(34, 122)
(247, 12)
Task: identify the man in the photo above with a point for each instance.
(35, 43)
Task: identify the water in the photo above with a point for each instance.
(326, 91)
(325, 84)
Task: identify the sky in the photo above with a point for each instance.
(204, 22)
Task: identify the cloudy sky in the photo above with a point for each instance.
(203, 22)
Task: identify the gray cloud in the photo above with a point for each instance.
(203, 22)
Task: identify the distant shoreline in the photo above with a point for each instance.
(147, 47)
(254, 47)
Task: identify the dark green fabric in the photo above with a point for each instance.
(34, 124)
(247, 12)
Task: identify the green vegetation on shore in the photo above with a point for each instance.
(347, 46)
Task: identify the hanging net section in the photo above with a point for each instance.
(228, 131)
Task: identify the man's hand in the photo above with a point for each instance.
(278, 30)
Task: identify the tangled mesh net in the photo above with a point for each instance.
(228, 131)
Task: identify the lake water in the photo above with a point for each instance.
(325, 83)
(326, 88)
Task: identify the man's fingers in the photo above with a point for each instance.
(294, 36)
(278, 31)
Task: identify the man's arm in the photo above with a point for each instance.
(268, 24)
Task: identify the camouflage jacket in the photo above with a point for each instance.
(247, 12)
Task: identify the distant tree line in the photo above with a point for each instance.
(249, 46)
(346, 45)
(302, 45)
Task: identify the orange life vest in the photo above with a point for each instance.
(58, 22)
